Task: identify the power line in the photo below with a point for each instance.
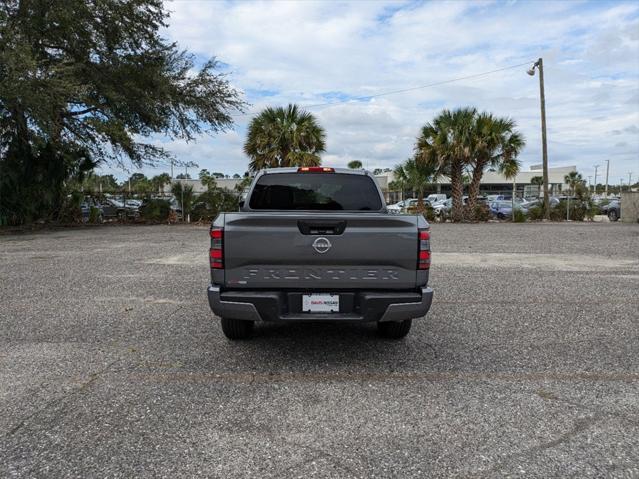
(404, 90)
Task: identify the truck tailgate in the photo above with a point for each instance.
(320, 251)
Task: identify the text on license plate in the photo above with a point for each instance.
(320, 303)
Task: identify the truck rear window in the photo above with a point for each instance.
(315, 191)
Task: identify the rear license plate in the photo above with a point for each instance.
(320, 303)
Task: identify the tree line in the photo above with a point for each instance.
(84, 84)
(89, 83)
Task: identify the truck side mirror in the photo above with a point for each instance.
(241, 203)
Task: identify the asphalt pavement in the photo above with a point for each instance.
(112, 365)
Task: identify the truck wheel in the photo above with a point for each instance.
(237, 328)
(394, 329)
(612, 214)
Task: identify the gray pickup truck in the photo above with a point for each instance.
(317, 244)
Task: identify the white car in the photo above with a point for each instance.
(401, 206)
(446, 206)
(435, 198)
(443, 207)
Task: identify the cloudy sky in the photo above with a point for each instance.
(313, 53)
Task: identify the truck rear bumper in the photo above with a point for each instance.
(286, 305)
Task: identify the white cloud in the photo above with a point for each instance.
(300, 51)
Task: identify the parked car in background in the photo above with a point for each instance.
(85, 208)
(504, 209)
(397, 207)
(112, 208)
(554, 201)
(404, 206)
(444, 207)
(412, 206)
(612, 210)
(435, 198)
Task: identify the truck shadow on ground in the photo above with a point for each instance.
(326, 345)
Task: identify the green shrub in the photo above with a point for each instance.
(155, 210)
(535, 213)
(210, 203)
(558, 212)
(481, 212)
(94, 215)
(590, 210)
(70, 211)
(203, 212)
(579, 210)
(519, 216)
(429, 213)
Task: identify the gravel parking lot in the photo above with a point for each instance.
(112, 365)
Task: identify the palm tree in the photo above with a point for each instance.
(572, 179)
(415, 175)
(207, 179)
(538, 181)
(495, 144)
(355, 165)
(184, 195)
(284, 137)
(446, 145)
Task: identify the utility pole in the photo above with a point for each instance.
(629, 180)
(589, 182)
(182, 192)
(595, 185)
(544, 144)
(607, 170)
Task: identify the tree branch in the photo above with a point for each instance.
(81, 112)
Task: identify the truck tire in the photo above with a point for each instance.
(237, 328)
(612, 215)
(394, 329)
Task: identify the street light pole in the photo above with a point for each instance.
(182, 194)
(596, 166)
(512, 207)
(607, 170)
(540, 66)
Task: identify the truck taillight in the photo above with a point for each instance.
(423, 250)
(216, 253)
